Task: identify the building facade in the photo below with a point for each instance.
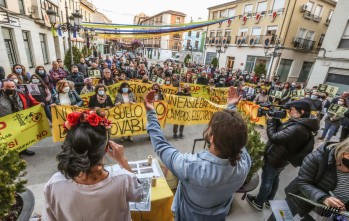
(162, 47)
(26, 36)
(249, 38)
(332, 64)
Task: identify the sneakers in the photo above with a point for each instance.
(175, 136)
(181, 136)
(130, 139)
(27, 153)
(320, 138)
(252, 201)
(267, 205)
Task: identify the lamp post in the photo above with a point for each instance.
(88, 35)
(275, 53)
(220, 51)
(73, 24)
(204, 58)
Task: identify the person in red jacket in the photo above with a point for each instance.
(12, 100)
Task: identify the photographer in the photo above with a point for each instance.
(288, 142)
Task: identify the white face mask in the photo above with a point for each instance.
(35, 81)
(66, 89)
(15, 80)
(340, 102)
(100, 93)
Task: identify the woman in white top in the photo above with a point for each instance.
(125, 96)
(83, 189)
(65, 95)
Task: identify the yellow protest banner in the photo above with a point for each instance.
(127, 119)
(219, 95)
(22, 129)
(185, 110)
(86, 98)
(198, 90)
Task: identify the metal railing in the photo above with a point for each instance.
(256, 40)
(151, 45)
(304, 44)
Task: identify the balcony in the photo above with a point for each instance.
(152, 45)
(308, 15)
(328, 21)
(265, 40)
(316, 18)
(304, 44)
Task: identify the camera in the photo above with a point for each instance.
(274, 111)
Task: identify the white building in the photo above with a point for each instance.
(332, 64)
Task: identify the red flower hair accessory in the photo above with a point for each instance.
(94, 118)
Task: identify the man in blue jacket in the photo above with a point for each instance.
(208, 179)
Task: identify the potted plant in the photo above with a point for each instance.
(260, 70)
(214, 62)
(16, 202)
(187, 60)
(76, 57)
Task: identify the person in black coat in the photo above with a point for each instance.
(77, 78)
(285, 145)
(318, 180)
(325, 104)
(100, 99)
(202, 79)
(345, 126)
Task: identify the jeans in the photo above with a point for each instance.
(330, 128)
(175, 129)
(270, 183)
(344, 134)
(48, 112)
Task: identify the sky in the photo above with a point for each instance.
(123, 11)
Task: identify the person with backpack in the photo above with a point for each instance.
(288, 142)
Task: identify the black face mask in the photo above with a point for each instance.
(9, 91)
(156, 90)
(345, 162)
(185, 91)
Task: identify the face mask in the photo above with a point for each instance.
(156, 90)
(19, 71)
(41, 72)
(144, 81)
(263, 93)
(35, 81)
(100, 93)
(345, 162)
(340, 102)
(66, 89)
(125, 90)
(9, 91)
(75, 72)
(168, 82)
(323, 97)
(186, 91)
(313, 97)
(15, 80)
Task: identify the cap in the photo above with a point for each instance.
(301, 104)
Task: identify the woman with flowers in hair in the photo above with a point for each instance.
(83, 189)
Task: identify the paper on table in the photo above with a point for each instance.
(281, 210)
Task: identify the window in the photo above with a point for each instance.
(248, 8)
(318, 11)
(214, 15)
(196, 44)
(322, 37)
(189, 33)
(21, 6)
(271, 30)
(212, 33)
(227, 33)
(338, 77)
(219, 33)
(231, 12)
(278, 4)
(27, 47)
(178, 20)
(310, 6)
(222, 13)
(198, 34)
(7, 33)
(209, 57)
(344, 43)
(262, 6)
(3, 3)
(256, 31)
(306, 68)
(330, 15)
(284, 69)
(250, 63)
(44, 48)
(243, 32)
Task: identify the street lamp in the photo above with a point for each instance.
(73, 24)
(220, 50)
(275, 53)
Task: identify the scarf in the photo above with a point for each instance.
(101, 99)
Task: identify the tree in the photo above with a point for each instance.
(187, 59)
(76, 57)
(214, 62)
(256, 148)
(11, 168)
(260, 69)
(86, 52)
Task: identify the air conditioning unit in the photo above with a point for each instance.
(304, 7)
